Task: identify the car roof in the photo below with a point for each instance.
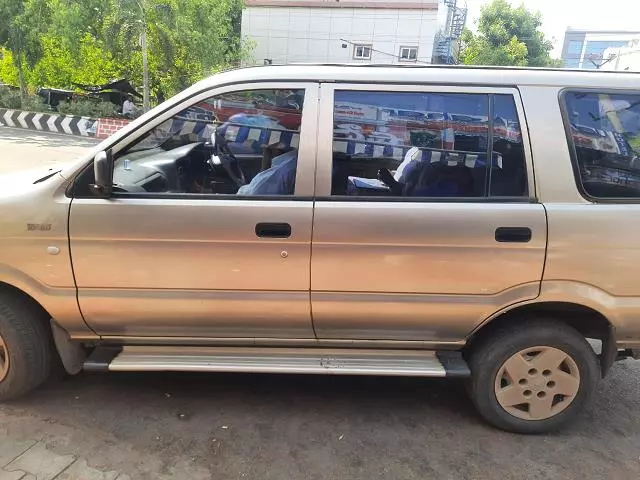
(436, 74)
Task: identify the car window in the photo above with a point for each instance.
(426, 145)
(605, 138)
(508, 174)
(242, 143)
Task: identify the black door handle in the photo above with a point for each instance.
(513, 234)
(273, 230)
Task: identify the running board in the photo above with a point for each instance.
(420, 363)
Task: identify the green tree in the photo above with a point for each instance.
(8, 70)
(94, 41)
(60, 66)
(132, 22)
(507, 36)
(21, 24)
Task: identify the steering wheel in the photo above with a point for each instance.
(222, 152)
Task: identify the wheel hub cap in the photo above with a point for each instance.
(537, 383)
(4, 359)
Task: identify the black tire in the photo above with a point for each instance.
(490, 353)
(26, 335)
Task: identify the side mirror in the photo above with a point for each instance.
(103, 172)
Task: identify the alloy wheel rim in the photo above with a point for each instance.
(4, 359)
(537, 383)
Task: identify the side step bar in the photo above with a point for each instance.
(421, 363)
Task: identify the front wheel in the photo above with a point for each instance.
(533, 377)
(25, 346)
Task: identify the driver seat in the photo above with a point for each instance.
(280, 179)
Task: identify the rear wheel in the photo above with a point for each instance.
(4, 359)
(532, 378)
(25, 346)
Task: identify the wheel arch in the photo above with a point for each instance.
(7, 287)
(70, 354)
(586, 320)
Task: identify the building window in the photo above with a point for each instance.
(362, 52)
(575, 48)
(408, 54)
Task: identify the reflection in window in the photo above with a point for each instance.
(605, 132)
(509, 177)
(401, 144)
(242, 143)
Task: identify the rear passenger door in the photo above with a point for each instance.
(426, 220)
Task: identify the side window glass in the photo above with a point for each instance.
(605, 134)
(406, 144)
(508, 174)
(241, 143)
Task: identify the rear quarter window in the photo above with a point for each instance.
(604, 136)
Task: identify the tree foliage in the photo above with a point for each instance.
(507, 36)
(94, 41)
(21, 24)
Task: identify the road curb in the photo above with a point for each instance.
(47, 122)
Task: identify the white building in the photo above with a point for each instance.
(586, 48)
(625, 58)
(343, 31)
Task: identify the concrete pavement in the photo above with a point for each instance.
(32, 460)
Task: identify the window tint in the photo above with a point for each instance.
(242, 143)
(605, 133)
(508, 174)
(400, 144)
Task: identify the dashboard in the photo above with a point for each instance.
(159, 170)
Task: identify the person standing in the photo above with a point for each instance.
(128, 108)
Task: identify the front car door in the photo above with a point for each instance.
(426, 220)
(194, 243)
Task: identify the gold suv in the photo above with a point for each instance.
(459, 222)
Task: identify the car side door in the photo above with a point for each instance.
(187, 245)
(426, 219)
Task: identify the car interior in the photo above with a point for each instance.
(436, 172)
(431, 166)
(248, 146)
(219, 146)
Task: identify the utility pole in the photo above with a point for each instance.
(145, 55)
(145, 68)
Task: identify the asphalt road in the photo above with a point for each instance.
(272, 427)
(28, 148)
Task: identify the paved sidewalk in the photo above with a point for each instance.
(32, 460)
